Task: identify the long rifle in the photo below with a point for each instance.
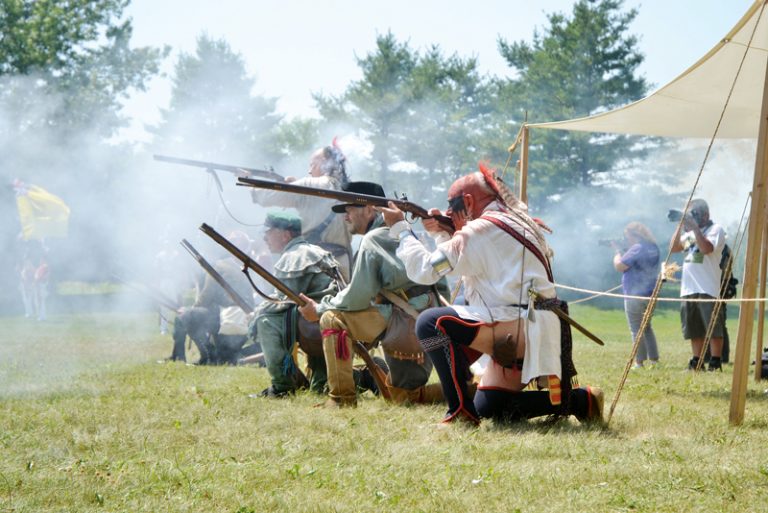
(249, 263)
(210, 166)
(218, 278)
(347, 197)
(149, 291)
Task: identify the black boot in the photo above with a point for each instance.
(587, 404)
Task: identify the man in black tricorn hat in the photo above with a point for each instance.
(363, 310)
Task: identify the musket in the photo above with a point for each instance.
(159, 297)
(218, 278)
(251, 264)
(567, 318)
(347, 197)
(210, 166)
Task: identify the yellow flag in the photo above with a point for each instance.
(41, 213)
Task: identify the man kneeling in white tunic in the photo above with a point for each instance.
(499, 252)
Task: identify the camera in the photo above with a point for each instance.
(674, 215)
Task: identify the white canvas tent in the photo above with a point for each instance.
(691, 106)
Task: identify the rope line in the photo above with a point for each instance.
(654, 296)
(662, 299)
(723, 279)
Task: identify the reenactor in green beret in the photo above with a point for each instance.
(304, 268)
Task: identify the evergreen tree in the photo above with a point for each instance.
(445, 120)
(421, 112)
(579, 66)
(378, 103)
(65, 68)
(213, 113)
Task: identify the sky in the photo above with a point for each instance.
(298, 47)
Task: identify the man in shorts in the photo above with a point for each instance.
(702, 244)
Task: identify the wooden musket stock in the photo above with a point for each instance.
(346, 197)
(247, 261)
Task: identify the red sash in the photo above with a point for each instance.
(525, 242)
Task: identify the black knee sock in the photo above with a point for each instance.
(514, 406)
(453, 369)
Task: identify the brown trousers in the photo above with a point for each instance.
(366, 326)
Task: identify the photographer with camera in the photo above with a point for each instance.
(702, 242)
(639, 265)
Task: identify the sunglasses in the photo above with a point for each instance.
(456, 204)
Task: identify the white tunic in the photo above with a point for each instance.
(497, 271)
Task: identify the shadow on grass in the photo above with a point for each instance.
(547, 426)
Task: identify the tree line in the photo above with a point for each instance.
(427, 115)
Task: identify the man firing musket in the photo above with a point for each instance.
(378, 305)
(302, 268)
(501, 255)
(327, 171)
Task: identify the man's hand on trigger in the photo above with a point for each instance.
(433, 225)
(392, 214)
(309, 310)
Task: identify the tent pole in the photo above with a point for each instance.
(524, 164)
(761, 307)
(754, 247)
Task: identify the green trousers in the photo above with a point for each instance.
(278, 355)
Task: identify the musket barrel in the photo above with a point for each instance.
(251, 264)
(218, 278)
(344, 197)
(221, 167)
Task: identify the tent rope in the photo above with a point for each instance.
(597, 293)
(723, 279)
(593, 296)
(657, 288)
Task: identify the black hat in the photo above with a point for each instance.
(369, 188)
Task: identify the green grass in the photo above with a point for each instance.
(90, 422)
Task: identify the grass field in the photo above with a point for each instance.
(91, 422)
